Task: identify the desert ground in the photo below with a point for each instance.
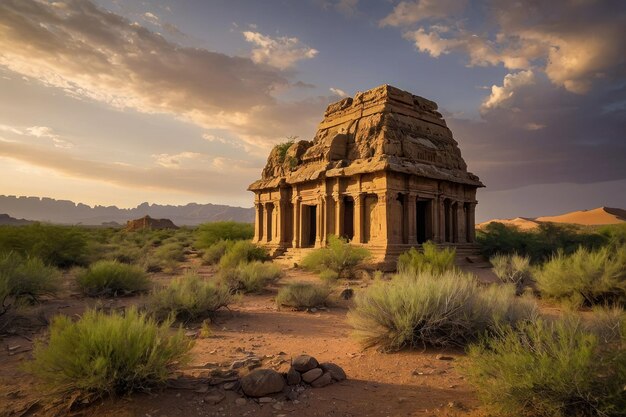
(406, 383)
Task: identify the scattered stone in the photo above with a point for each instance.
(231, 386)
(312, 375)
(237, 365)
(293, 377)
(240, 401)
(292, 395)
(278, 406)
(214, 398)
(304, 363)
(335, 371)
(347, 293)
(444, 357)
(262, 382)
(322, 381)
(266, 400)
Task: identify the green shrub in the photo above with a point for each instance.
(549, 369)
(210, 233)
(106, 278)
(514, 269)
(189, 298)
(585, 277)
(430, 309)
(303, 295)
(25, 279)
(250, 277)
(242, 251)
(430, 259)
(167, 256)
(541, 243)
(103, 354)
(282, 149)
(338, 256)
(213, 254)
(60, 246)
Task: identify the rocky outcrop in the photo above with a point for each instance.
(381, 129)
(148, 222)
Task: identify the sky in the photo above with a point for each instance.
(121, 102)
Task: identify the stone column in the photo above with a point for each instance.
(338, 214)
(279, 208)
(411, 215)
(471, 225)
(461, 223)
(359, 217)
(318, 223)
(329, 217)
(296, 221)
(257, 222)
(434, 220)
(385, 216)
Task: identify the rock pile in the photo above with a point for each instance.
(305, 369)
(148, 222)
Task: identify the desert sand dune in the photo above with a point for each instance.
(593, 217)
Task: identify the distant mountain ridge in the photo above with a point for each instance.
(5, 220)
(68, 212)
(593, 217)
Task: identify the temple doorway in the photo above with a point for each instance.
(348, 218)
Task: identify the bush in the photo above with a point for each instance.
(188, 298)
(514, 269)
(338, 256)
(430, 309)
(25, 279)
(250, 277)
(60, 246)
(539, 244)
(243, 252)
(166, 257)
(585, 277)
(213, 254)
(104, 354)
(302, 295)
(551, 369)
(106, 278)
(431, 259)
(210, 233)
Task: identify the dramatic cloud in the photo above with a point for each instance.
(501, 95)
(39, 132)
(543, 135)
(195, 181)
(409, 12)
(280, 52)
(575, 43)
(95, 54)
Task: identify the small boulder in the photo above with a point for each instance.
(322, 381)
(304, 363)
(293, 377)
(312, 375)
(335, 371)
(262, 382)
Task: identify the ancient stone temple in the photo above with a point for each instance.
(383, 171)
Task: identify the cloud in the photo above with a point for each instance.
(152, 18)
(197, 181)
(174, 161)
(501, 95)
(575, 43)
(90, 53)
(543, 135)
(280, 52)
(338, 92)
(409, 12)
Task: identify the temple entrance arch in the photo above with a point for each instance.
(348, 218)
(423, 221)
(309, 225)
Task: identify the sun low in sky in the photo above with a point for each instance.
(120, 102)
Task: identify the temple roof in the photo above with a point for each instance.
(381, 129)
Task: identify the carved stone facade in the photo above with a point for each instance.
(383, 171)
